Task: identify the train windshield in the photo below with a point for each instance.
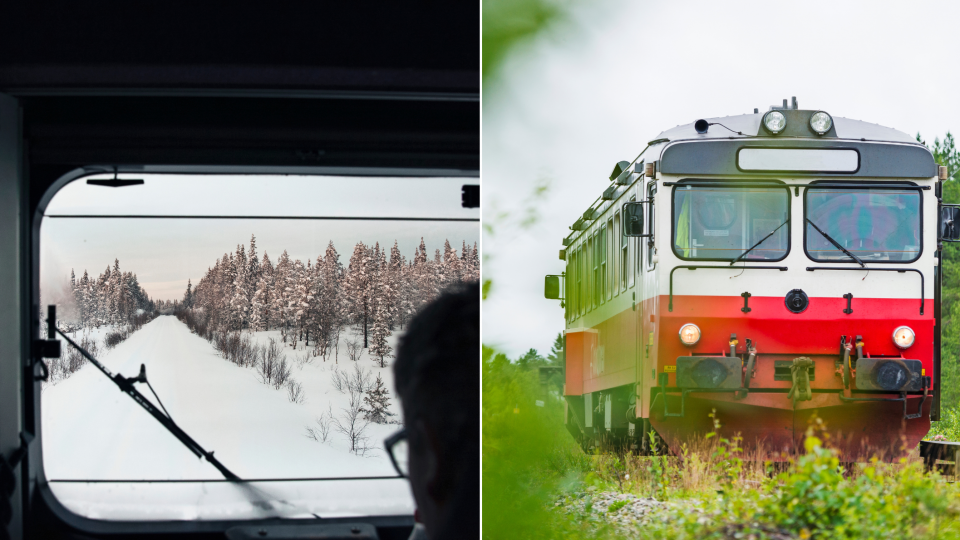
(266, 313)
(873, 224)
(725, 222)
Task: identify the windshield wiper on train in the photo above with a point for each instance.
(834, 242)
(126, 386)
(744, 254)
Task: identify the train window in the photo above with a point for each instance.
(630, 250)
(266, 313)
(592, 277)
(608, 268)
(651, 225)
(724, 223)
(604, 278)
(581, 280)
(877, 225)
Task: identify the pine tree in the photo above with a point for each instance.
(188, 296)
(357, 287)
(376, 403)
(378, 337)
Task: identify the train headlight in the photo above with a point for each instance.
(689, 334)
(903, 337)
(821, 122)
(775, 122)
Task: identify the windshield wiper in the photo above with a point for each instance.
(744, 254)
(126, 385)
(834, 242)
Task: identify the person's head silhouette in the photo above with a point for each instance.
(437, 374)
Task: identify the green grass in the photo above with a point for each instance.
(712, 490)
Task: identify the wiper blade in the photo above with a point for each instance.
(834, 242)
(126, 385)
(744, 254)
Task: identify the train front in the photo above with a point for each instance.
(797, 278)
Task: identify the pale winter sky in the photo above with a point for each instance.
(593, 90)
(164, 253)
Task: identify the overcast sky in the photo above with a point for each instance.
(591, 91)
(164, 253)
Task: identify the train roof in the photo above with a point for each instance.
(748, 125)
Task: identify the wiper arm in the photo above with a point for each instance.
(744, 254)
(126, 385)
(834, 242)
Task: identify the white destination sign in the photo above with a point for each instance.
(798, 159)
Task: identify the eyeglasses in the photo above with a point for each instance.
(396, 446)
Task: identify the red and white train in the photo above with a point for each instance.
(772, 266)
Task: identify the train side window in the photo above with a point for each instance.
(651, 225)
(604, 279)
(592, 263)
(581, 279)
(607, 268)
(629, 255)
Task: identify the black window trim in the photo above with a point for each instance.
(31, 391)
(772, 183)
(853, 184)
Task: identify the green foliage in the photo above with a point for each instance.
(946, 153)
(616, 506)
(727, 464)
(507, 23)
(948, 428)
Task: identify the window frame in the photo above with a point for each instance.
(632, 257)
(651, 225)
(63, 516)
(761, 183)
(910, 186)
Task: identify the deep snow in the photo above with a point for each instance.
(92, 431)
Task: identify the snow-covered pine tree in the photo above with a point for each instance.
(475, 263)
(376, 403)
(240, 300)
(453, 269)
(188, 296)
(333, 309)
(253, 268)
(379, 348)
(357, 287)
(300, 299)
(282, 292)
(260, 306)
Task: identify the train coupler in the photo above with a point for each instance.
(800, 374)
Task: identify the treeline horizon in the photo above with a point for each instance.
(314, 301)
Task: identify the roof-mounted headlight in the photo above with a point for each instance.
(775, 122)
(903, 337)
(820, 122)
(689, 334)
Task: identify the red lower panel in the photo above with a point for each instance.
(771, 428)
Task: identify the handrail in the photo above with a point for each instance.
(866, 269)
(694, 267)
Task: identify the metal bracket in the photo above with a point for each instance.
(849, 297)
(903, 398)
(746, 300)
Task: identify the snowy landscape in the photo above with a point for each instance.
(282, 368)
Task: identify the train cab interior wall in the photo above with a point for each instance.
(213, 88)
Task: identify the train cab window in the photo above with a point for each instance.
(263, 314)
(875, 225)
(723, 223)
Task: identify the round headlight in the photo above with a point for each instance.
(689, 334)
(903, 337)
(775, 122)
(821, 122)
